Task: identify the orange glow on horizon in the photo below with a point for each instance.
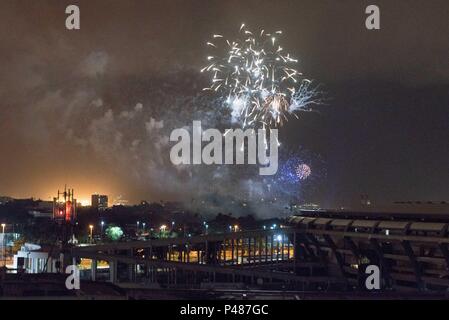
(84, 202)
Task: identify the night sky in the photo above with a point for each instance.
(72, 101)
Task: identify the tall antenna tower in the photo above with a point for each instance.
(64, 213)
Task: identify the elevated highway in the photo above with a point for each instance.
(310, 252)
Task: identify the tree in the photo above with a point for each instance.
(114, 233)
(18, 245)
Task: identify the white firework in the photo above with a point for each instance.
(259, 80)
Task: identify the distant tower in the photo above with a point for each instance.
(64, 212)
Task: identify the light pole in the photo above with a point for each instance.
(91, 227)
(162, 229)
(102, 225)
(3, 244)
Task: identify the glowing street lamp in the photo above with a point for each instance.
(91, 228)
(236, 228)
(3, 244)
(102, 225)
(162, 229)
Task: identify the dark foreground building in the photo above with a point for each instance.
(314, 254)
(314, 251)
(410, 248)
(52, 286)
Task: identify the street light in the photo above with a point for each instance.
(102, 225)
(162, 230)
(143, 224)
(91, 227)
(3, 244)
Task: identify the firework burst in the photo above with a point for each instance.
(260, 82)
(303, 171)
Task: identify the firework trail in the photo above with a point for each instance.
(260, 82)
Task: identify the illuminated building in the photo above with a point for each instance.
(99, 202)
(31, 258)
